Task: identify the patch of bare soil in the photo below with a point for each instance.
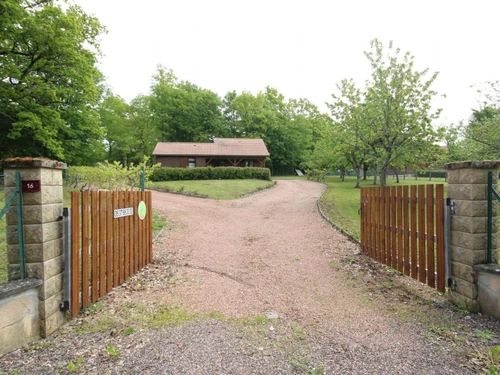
(222, 273)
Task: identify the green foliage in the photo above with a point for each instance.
(111, 176)
(482, 130)
(49, 81)
(128, 331)
(209, 173)
(113, 352)
(182, 111)
(316, 175)
(75, 367)
(484, 334)
(389, 122)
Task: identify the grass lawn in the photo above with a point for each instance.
(214, 189)
(341, 201)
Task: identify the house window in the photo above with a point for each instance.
(192, 162)
(249, 163)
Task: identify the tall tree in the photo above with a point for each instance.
(182, 111)
(398, 104)
(49, 81)
(350, 131)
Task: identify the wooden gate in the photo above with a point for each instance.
(403, 227)
(111, 240)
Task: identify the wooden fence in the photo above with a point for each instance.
(111, 240)
(403, 227)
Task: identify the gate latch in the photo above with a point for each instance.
(452, 204)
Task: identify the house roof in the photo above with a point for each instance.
(219, 147)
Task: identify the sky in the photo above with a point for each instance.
(302, 48)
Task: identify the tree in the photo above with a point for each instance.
(144, 132)
(398, 106)
(348, 110)
(49, 81)
(483, 129)
(182, 111)
(113, 113)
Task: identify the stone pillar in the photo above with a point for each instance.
(467, 185)
(43, 234)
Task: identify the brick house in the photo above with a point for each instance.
(222, 152)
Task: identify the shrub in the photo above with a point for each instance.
(111, 176)
(316, 175)
(209, 173)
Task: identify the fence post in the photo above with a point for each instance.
(468, 187)
(143, 183)
(43, 233)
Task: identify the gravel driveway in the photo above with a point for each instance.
(228, 265)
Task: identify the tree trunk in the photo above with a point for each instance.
(358, 178)
(383, 177)
(365, 171)
(374, 179)
(397, 175)
(342, 174)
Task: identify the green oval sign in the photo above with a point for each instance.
(142, 210)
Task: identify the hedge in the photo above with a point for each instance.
(209, 173)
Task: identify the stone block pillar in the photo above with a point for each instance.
(43, 234)
(468, 186)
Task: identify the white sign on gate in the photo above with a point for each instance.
(122, 212)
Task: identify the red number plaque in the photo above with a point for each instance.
(31, 186)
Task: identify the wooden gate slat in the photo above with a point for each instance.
(85, 249)
(406, 228)
(362, 237)
(126, 247)
(136, 231)
(75, 253)
(430, 236)
(440, 266)
(413, 233)
(109, 241)
(399, 224)
(387, 225)
(149, 231)
(121, 238)
(374, 212)
(95, 245)
(143, 237)
(394, 230)
(116, 250)
(102, 243)
(421, 233)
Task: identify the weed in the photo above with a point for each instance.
(335, 265)
(320, 370)
(461, 307)
(128, 331)
(484, 335)
(113, 352)
(169, 316)
(72, 367)
(158, 221)
(94, 307)
(259, 319)
(348, 260)
(101, 323)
